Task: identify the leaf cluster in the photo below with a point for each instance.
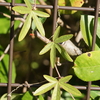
(57, 84)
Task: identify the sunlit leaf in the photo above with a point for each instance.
(46, 48)
(44, 88)
(38, 24)
(63, 38)
(69, 88)
(63, 52)
(87, 66)
(25, 28)
(56, 33)
(53, 55)
(76, 3)
(33, 26)
(65, 79)
(28, 4)
(56, 93)
(41, 13)
(49, 78)
(21, 9)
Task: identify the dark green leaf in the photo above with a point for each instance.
(87, 66)
(28, 4)
(63, 38)
(41, 13)
(63, 52)
(56, 33)
(21, 9)
(49, 78)
(86, 25)
(27, 96)
(53, 55)
(56, 92)
(46, 48)
(44, 88)
(69, 88)
(94, 94)
(38, 24)
(65, 79)
(25, 27)
(4, 69)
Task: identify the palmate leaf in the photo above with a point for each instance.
(53, 55)
(63, 38)
(44, 88)
(49, 78)
(69, 88)
(56, 33)
(87, 66)
(65, 79)
(56, 92)
(38, 24)
(28, 4)
(63, 52)
(46, 48)
(21, 9)
(41, 13)
(25, 27)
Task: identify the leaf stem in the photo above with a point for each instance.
(57, 71)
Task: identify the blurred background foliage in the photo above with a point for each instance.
(28, 64)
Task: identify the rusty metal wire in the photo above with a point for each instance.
(55, 7)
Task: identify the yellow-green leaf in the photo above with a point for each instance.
(63, 38)
(46, 48)
(53, 55)
(63, 52)
(65, 79)
(38, 24)
(44, 88)
(87, 66)
(41, 13)
(28, 4)
(56, 93)
(69, 88)
(25, 28)
(21, 9)
(56, 33)
(50, 79)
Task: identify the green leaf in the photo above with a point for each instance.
(46, 48)
(41, 97)
(86, 25)
(21, 9)
(53, 55)
(41, 13)
(49, 78)
(69, 88)
(87, 66)
(25, 28)
(65, 79)
(27, 96)
(28, 4)
(63, 52)
(42, 19)
(44, 88)
(56, 33)
(56, 93)
(38, 24)
(4, 69)
(63, 38)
